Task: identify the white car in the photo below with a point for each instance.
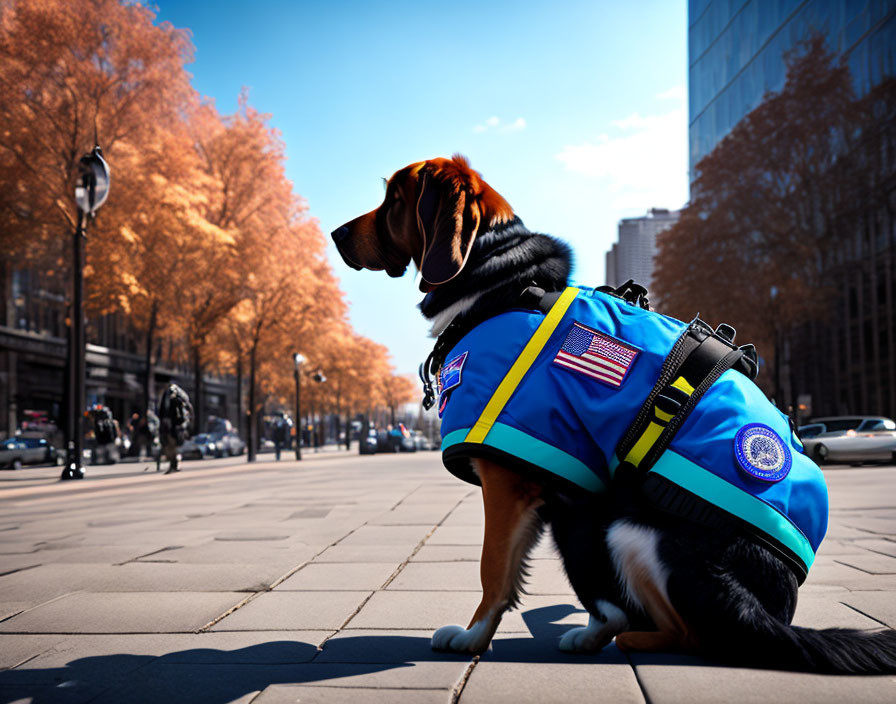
(852, 439)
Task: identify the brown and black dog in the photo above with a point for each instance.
(652, 582)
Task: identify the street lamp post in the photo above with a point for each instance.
(298, 360)
(91, 191)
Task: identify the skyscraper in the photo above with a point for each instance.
(737, 50)
(736, 54)
(632, 256)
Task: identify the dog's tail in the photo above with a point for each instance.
(765, 641)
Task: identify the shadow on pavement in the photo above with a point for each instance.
(216, 676)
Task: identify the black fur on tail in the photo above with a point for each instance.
(741, 607)
(766, 642)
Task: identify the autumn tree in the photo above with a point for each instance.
(399, 389)
(767, 210)
(203, 241)
(73, 75)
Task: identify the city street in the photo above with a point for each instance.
(322, 581)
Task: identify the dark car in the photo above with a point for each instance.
(17, 452)
(368, 443)
(228, 444)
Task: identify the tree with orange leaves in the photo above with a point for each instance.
(73, 75)
(98, 72)
(397, 390)
(769, 205)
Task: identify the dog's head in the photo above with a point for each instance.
(432, 213)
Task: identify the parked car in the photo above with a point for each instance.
(189, 449)
(207, 445)
(229, 443)
(422, 442)
(17, 452)
(383, 442)
(369, 443)
(852, 439)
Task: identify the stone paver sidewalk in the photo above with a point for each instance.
(322, 581)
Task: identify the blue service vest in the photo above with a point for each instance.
(561, 420)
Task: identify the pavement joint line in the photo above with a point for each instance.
(20, 569)
(638, 679)
(458, 689)
(394, 574)
(154, 552)
(420, 545)
(278, 582)
(845, 564)
(404, 498)
(227, 613)
(118, 486)
(28, 659)
(873, 618)
(12, 615)
(43, 603)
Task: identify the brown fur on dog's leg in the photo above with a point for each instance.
(652, 642)
(510, 528)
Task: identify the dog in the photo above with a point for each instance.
(657, 567)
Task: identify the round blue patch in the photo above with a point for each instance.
(761, 453)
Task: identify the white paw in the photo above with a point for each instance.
(583, 639)
(458, 639)
(597, 634)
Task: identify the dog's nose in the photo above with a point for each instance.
(340, 234)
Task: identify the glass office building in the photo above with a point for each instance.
(844, 363)
(736, 54)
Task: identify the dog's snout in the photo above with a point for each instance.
(340, 234)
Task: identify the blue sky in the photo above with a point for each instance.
(574, 111)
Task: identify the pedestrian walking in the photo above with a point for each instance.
(281, 433)
(175, 417)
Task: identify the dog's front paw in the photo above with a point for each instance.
(457, 639)
(598, 633)
(584, 639)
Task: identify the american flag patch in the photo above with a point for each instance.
(597, 355)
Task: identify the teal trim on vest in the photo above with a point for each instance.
(453, 438)
(518, 444)
(614, 463)
(716, 490)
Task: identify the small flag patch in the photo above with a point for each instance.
(597, 355)
(448, 378)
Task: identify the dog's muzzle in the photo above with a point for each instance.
(340, 235)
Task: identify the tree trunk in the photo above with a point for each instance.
(252, 441)
(197, 389)
(148, 375)
(239, 396)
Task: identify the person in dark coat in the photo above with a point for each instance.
(175, 417)
(281, 433)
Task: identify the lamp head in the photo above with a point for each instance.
(92, 187)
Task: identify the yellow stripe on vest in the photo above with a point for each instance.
(650, 435)
(522, 364)
(653, 431)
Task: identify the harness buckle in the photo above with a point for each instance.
(670, 400)
(429, 395)
(726, 332)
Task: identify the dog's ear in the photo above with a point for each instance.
(448, 216)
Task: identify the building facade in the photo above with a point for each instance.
(33, 352)
(736, 52)
(846, 363)
(632, 256)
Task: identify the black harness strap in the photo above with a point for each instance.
(699, 357)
